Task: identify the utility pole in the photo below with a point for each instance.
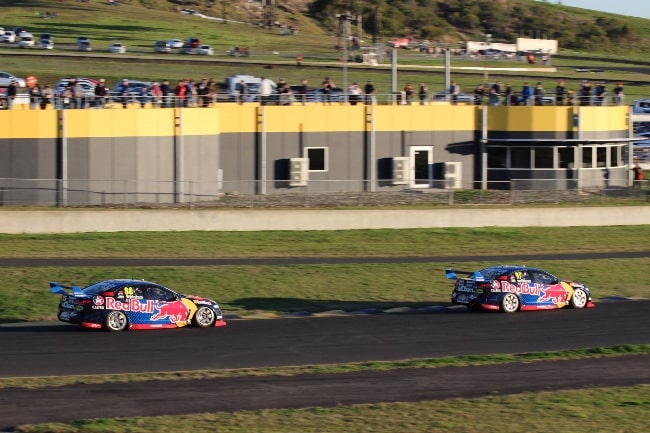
(344, 23)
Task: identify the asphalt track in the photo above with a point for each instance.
(54, 349)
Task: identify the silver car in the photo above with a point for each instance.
(6, 78)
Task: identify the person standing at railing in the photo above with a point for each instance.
(422, 93)
(46, 96)
(619, 95)
(600, 93)
(179, 93)
(35, 96)
(408, 93)
(454, 91)
(509, 98)
(585, 93)
(354, 91)
(526, 94)
(560, 91)
(539, 94)
(266, 88)
(78, 95)
(166, 92)
(638, 175)
(479, 92)
(369, 90)
(100, 94)
(202, 91)
(495, 94)
(327, 87)
(304, 90)
(156, 95)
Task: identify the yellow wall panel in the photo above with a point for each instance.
(604, 118)
(235, 118)
(200, 121)
(28, 123)
(426, 118)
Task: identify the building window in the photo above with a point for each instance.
(587, 161)
(567, 157)
(543, 157)
(616, 156)
(601, 157)
(317, 158)
(496, 157)
(519, 157)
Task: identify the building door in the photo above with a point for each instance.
(422, 166)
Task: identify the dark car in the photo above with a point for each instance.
(512, 288)
(120, 304)
(131, 91)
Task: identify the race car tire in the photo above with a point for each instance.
(204, 317)
(510, 303)
(116, 321)
(579, 299)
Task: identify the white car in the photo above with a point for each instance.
(117, 47)
(206, 50)
(46, 44)
(6, 78)
(9, 36)
(175, 43)
(25, 40)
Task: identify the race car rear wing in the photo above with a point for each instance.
(471, 275)
(59, 289)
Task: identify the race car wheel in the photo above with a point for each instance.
(204, 317)
(510, 303)
(579, 299)
(116, 321)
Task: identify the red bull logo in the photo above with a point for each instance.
(521, 288)
(556, 294)
(174, 311)
(130, 305)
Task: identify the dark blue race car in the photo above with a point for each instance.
(116, 305)
(513, 288)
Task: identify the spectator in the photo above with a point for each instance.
(212, 90)
(495, 93)
(46, 97)
(526, 94)
(509, 98)
(67, 97)
(560, 91)
(638, 175)
(100, 94)
(143, 96)
(266, 88)
(454, 91)
(619, 94)
(585, 93)
(539, 94)
(166, 92)
(600, 93)
(124, 93)
(284, 92)
(422, 93)
(304, 90)
(242, 88)
(202, 92)
(408, 93)
(35, 96)
(571, 96)
(156, 94)
(354, 91)
(180, 93)
(327, 85)
(479, 93)
(191, 94)
(78, 95)
(369, 90)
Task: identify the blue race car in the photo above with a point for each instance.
(119, 304)
(512, 288)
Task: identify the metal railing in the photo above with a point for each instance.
(318, 194)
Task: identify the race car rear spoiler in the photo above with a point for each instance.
(471, 275)
(59, 289)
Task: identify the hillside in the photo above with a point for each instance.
(448, 21)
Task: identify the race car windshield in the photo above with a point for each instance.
(97, 288)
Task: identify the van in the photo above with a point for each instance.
(233, 81)
(26, 40)
(162, 47)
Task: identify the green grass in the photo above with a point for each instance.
(281, 289)
(138, 27)
(612, 410)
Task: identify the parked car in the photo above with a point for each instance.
(83, 40)
(6, 78)
(117, 47)
(162, 47)
(46, 44)
(175, 43)
(187, 49)
(193, 42)
(512, 288)
(121, 304)
(205, 50)
(26, 40)
(9, 36)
